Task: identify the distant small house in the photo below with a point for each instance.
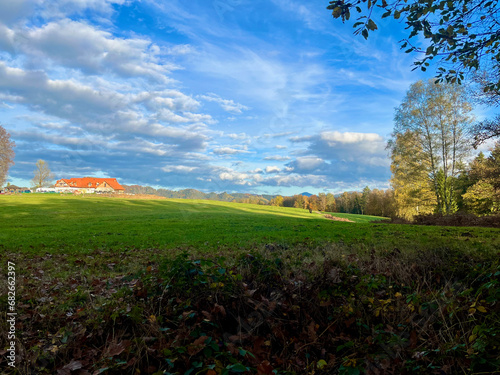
(89, 185)
(15, 189)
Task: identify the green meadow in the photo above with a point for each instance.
(70, 224)
(170, 287)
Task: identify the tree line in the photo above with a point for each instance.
(430, 150)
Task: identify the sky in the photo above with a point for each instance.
(261, 96)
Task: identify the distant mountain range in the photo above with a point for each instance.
(196, 194)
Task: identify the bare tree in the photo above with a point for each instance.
(6, 154)
(43, 175)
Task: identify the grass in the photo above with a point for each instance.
(358, 218)
(67, 224)
(126, 286)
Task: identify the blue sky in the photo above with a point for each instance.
(255, 96)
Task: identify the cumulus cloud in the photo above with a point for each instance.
(334, 137)
(81, 46)
(173, 100)
(100, 110)
(272, 169)
(363, 148)
(306, 164)
(338, 156)
(179, 169)
(235, 177)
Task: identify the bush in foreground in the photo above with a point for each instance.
(265, 313)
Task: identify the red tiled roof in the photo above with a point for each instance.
(93, 181)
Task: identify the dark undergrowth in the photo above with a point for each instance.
(259, 313)
(459, 219)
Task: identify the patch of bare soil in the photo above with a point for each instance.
(335, 218)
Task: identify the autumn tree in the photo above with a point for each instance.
(42, 174)
(482, 197)
(277, 201)
(330, 203)
(413, 188)
(322, 202)
(288, 202)
(374, 203)
(6, 154)
(364, 199)
(300, 201)
(462, 34)
(380, 203)
(431, 139)
(345, 203)
(312, 203)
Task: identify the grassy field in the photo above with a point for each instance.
(68, 224)
(171, 287)
(357, 218)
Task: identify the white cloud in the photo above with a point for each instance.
(240, 136)
(228, 151)
(335, 137)
(62, 8)
(272, 169)
(297, 180)
(179, 168)
(226, 104)
(235, 177)
(180, 49)
(81, 46)
(277, 158)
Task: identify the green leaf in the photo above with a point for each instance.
(365, 33)
(337, 12)
(371, 25)
(397, 14)
(237, 367)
